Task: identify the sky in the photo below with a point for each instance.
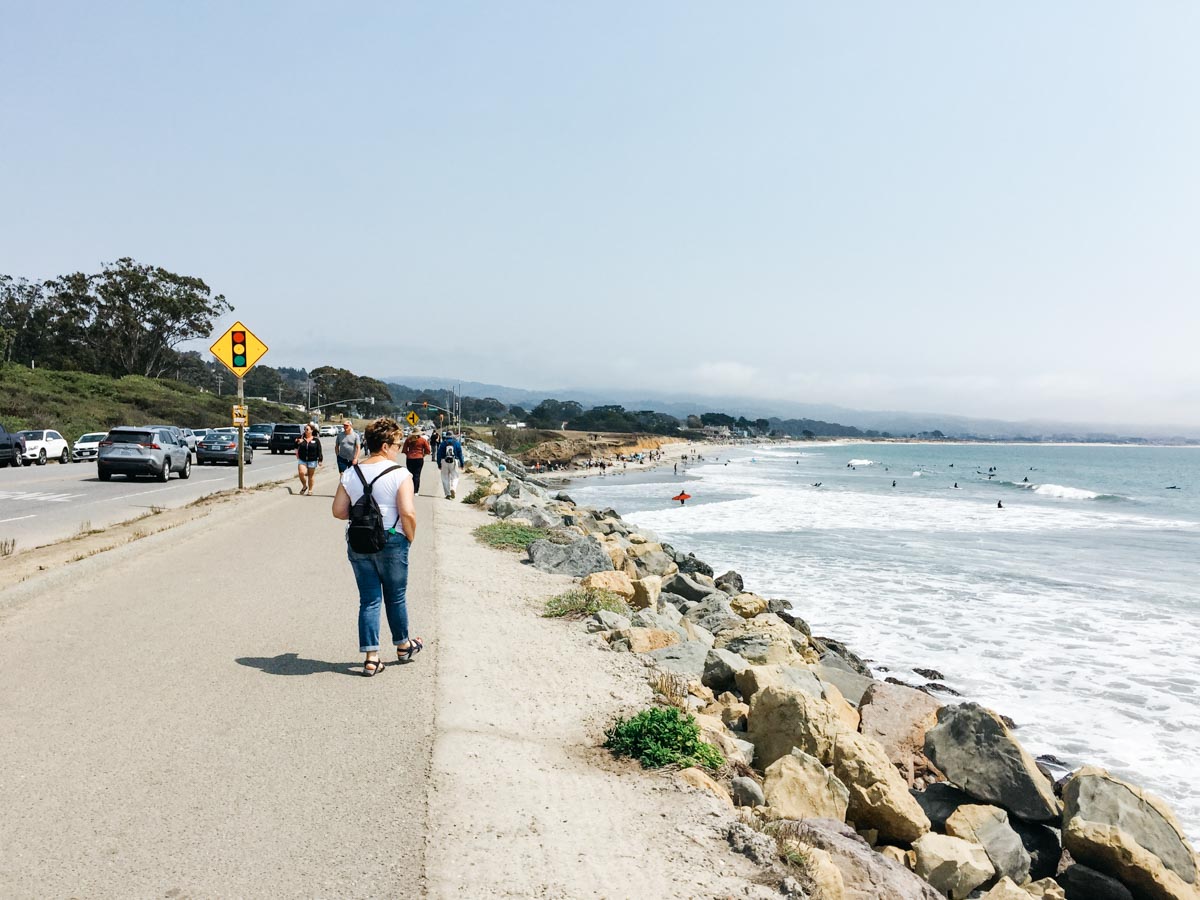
(982, 209)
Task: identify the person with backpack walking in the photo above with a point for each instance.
(376, 498)
(415, 449)
(309, 455)
(450, 461)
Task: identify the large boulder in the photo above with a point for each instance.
(604, 620)
(939, 801)
(578, 558)
(783, 718)
(748, 605)
(657, 564)
(747, 792)
(730, 582)
(954, 866)
(797, 786)
(713, 614)
(975, 750)
(1006, 889)
(686, 658)
(1081, 882)
(689, 588)
(646, 591)
(752, 679)
(690, 565)
(763, 640)
(898, 718)
(1120, 830)
(879, 796)
(615, 582)
(866, 875)
(852, 685)
(720, 669)
(642, 640)
(988, 827)
(1043, 846)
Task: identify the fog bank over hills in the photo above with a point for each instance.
(893, 421)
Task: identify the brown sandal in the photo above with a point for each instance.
(376, 663)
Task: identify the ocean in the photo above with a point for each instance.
(1074, 609)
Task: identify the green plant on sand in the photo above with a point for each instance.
(662, 736)
(584, 601)
(507, 536)
(482, 487)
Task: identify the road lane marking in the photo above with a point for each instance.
(37, 495)
(18, 518)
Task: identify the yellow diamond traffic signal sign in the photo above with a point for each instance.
(412, 418)
(238, 349)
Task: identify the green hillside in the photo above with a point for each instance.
(76, 402)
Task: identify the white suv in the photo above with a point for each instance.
(43, 445)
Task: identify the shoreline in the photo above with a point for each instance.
(839, 658)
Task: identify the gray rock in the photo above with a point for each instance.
(843, 654)
(747, 792)
(504, 506)
(653, 563)
(1081, 883)
(867, 875)
(685, 659)
(680, 603)
(712, 612)
(564, 497)
(720, 670)
(939, 801)
(579, 558)
(851, 684)
(648, 618)
(988, 826)
(1041, 843)
(975, 751)
(754, 844)
(607, 621)
(731, 582)
(689, 589)
(689, 565)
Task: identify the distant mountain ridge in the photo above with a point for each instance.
(894, 422)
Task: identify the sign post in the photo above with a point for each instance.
(239, 350)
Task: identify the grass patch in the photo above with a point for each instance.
(580, 601)
(662, 736)
(482, 488)
(507, 536)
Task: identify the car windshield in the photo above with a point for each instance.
(131, 437)
(92, 438)
(262, 429)
(33, 435)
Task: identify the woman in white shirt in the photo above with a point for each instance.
(382, 576)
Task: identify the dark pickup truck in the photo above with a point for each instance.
(284, 438)
(11, 447)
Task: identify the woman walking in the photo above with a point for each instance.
(415, 448)
(309, 456)
(382, 576)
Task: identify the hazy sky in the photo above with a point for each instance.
(985, 209)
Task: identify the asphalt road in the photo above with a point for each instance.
(42, 504)
(184, 716)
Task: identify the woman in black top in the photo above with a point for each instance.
(309, 456)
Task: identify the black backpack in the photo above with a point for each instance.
(447, 452)
(367, 533)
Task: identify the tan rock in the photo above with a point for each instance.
(797, 786)
(988, 827)
(643, 640)
(879, 796)
(1128, 833)
(753, 679)
(617, 554)
(898, 717)
(646, 591)
(748, 605)
(698, 778)
(631, 570)
(847, 713)
(713, 731)
(951, 865)
(1045, 889)
(645, 548)
(826, 877)
(700, 691)
(637, 539)
(498, 487)
(617, 582)
(1005, 889)
(735, 716)
(703, 579)
(764, 640)
(783, 718)
(895, 854)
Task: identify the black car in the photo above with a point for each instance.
(284, 438)
(259, 436)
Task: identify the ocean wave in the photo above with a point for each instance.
(1062, 492)
(861, 462)
(916, 474)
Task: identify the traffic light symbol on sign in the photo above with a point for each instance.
(238, 340)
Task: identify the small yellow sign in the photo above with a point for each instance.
(238, 349)
(412, 418)
(241, 415)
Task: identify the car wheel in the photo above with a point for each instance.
(187, 468)
(166, 470)
(41, 460)
(103, 474)
(64, 457)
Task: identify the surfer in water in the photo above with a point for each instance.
(999, 505)
(1025, 480)
(893, 483)
(956, 484)
(816, 484)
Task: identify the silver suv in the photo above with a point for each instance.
(143, 451)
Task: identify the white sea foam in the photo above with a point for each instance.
(861, 462)
(916, 474)
(1062, 492)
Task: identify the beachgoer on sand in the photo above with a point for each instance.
(450, 461)
(415, 449)
(382, 574)
(309, 456)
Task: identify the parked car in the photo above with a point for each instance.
(200, 433)
(175, 430)
(328, 431)
(12, 447)
(134, 451)
(259, 436)
(222, 448)
(285, 437)
(189, 438)
(87, 447)
(43, 445)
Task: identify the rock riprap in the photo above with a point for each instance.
(954, 866)
(988, 826)
(578, 558)
(797, 786)
(975, 750)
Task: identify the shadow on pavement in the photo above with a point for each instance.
(292, 664)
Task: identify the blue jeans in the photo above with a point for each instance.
(343, 465)
(382, 578)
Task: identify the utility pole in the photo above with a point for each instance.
(218, 384)
(241, 438)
